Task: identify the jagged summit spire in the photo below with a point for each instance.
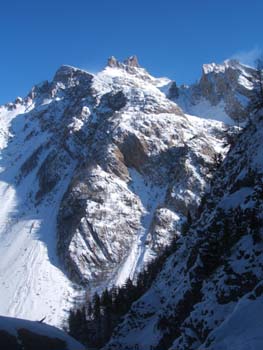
(131, 61)
(112, 62)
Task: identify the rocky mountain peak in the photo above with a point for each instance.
(220, 68)
(67, 74)
(112, 62)
(223, 92)
(131, 61)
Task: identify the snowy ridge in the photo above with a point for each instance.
(223, 92)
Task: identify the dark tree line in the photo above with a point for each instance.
(94, 322)
(257, 98)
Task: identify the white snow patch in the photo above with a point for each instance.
(150, 197)
(204, 109)
(242, 330)
(235, 199)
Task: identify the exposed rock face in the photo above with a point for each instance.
(173, 92)
(134, 152)
(132, 61)
(209, 293)
(112, 62)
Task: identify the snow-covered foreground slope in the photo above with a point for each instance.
(22, 334)
(209, 293)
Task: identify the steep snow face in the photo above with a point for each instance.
(100, 171)
(209, 292)
(36, 166)
(222, 93)
(32, 285)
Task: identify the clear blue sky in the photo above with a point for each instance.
(170, 37)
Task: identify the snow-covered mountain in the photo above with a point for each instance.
(209, 293)
(147, 164)
(98, 173)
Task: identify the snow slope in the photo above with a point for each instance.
(32, 284)
(151, 197)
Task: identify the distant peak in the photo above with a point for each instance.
(220, 68)
(232, 62)
(66, 73)
(131, 61)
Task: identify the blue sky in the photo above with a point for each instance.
(170, 37)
